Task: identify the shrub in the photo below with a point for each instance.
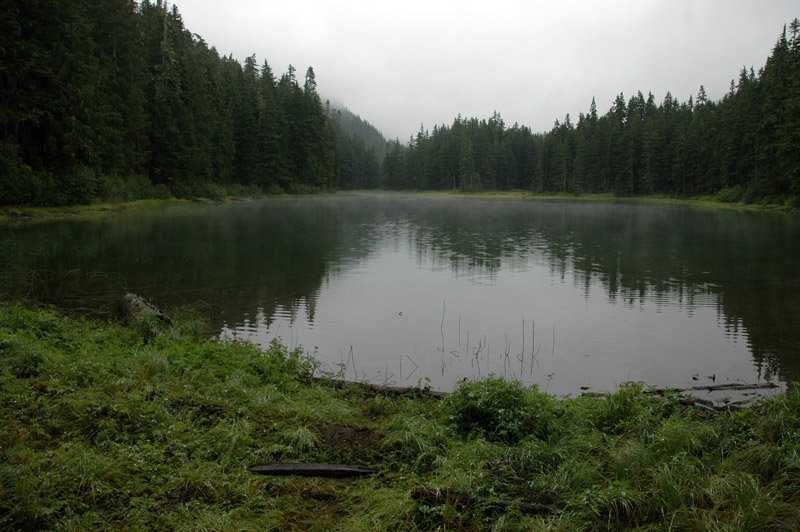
(500, 410)
(211, 191)
(730, 194)
(17, 186)
(621, 410)
(274, 190)
(161, 191)
(244, 191)
(302, 189)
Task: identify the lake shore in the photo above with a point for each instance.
(145, 425)
(15, 213)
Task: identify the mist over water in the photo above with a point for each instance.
(567, 295)
(408, 290)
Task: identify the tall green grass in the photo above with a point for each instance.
(145, 426)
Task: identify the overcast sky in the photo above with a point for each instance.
(402, 64)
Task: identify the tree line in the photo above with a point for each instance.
(745, 146)
(360, 148)
(118, 99)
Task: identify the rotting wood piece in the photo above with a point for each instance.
(433, 495)
(312, 470)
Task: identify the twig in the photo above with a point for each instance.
(441, 326)
(416, 367)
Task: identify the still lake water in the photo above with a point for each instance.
(410, 289)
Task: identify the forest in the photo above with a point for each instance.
(745, 147)
(117, 100)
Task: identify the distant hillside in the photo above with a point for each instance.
(356, 126)
(361, 147)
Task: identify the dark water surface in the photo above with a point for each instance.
(415, 289)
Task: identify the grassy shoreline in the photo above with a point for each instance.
(143, 426)
(11, 213)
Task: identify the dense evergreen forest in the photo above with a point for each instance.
(117, 99)
(360, 147)
(744, 147)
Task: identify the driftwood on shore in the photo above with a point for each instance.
(432, 495)
(718, 387)
(312, 470)
(707, 388)
(705, 404)
(134, 305)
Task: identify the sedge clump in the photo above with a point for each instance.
(500, 410)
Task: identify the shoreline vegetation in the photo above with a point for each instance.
(143, 425)
(11, 213)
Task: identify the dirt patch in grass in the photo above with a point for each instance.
(351, 444)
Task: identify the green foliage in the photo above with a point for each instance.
(119, 101)
(622, 409)
(500, 410)
(146, 426)
(210, 191)
(414, 440)
(745, 147)
(730, 194)
(302, 189)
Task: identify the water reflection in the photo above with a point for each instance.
(405, 288)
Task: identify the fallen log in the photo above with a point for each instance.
(433, 495)
(728, 386)
(708, 388)
(312, 470)
(711, 406)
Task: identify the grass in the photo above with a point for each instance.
(143, 426)
(723, 199)
(8, 213)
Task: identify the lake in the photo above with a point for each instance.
(416, 289)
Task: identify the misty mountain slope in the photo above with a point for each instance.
(361, 147)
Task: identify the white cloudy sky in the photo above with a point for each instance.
(402, 64)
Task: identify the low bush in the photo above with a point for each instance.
(500, 410)
(301, 189)
(210, 191)
(730, 194)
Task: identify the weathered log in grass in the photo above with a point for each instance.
(436, 496)
(312, 470)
